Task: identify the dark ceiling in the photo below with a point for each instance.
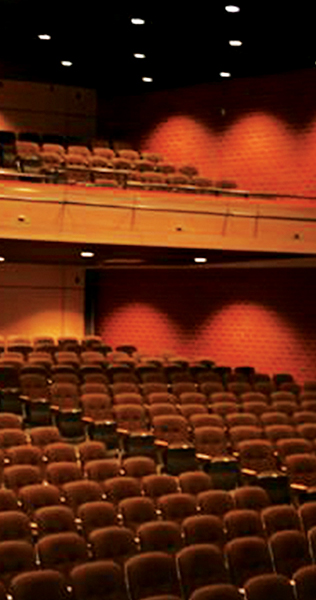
(183, 44)
(108, 255)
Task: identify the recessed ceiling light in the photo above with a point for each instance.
(137, 55)
(200, 259)
(147, 79)
(235, 43)
(2, 259)
(87, 254)
(44, 36)
(232, 8)
(225, 74)
(66, 63)
(138, 21)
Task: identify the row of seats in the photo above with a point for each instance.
(292, 455)
(210, 432)
(117, 378)
(24, 464)
(198, 564)
(177, 499)
(164, 523)
(33, 381)
(182, 369)
(251, 417)
(92, 379)
(202, 561)
(94, 366)
(102, 165)
(139, 367)
(26, 344)
(154, 575)
(254, 441)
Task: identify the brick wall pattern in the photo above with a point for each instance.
(262, 317)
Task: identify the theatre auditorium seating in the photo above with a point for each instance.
(95, 164)
(144, 498)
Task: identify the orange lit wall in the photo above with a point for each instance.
(260, 133)
(41, 299)
(44, 108)
(262, 317)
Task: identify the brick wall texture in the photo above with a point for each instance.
(262, 317)
(258, 132)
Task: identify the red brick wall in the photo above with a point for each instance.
(262, 317)
(260, 133)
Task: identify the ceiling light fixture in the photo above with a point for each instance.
(200, 259)
(66, 63)
(44, 36)
(87, 254)
(139, 55)
(235, 43)
(225, 74)
(2, 259)
(138, 21)
(231, 8)
(147, 79)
